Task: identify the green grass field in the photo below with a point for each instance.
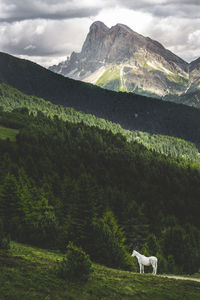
(110, 79)
(8, 133)
(29, 273)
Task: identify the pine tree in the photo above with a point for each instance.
(82, 211)
(109, 245)
(10, 205)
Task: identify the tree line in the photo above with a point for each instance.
(11, 98)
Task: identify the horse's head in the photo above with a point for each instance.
(133, 253)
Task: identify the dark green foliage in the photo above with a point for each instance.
(82, 210)
(4, 239)
(109, 248)
(79, 183)
(182, 244)
(10, 204)
(12, 99)
(171, 265)
(38, 221)
(76, 265)
(4, 242)
(153, 244)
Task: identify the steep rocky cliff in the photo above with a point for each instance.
(120, 59)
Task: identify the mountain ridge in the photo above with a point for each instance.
(119, 58)
(12, 99)
(131, 111)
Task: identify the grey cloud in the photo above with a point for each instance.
(165, 8)
(181, 36)
(18, 10)
(183, 10)
(189, 2)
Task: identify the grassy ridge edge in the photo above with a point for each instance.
(29, 273)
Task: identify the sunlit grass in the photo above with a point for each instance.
(30, 273)
(111, 78)
(8, 133)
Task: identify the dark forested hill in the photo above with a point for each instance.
(12, 99)
(61, 181)
(130, 111)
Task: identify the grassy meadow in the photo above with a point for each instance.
(30, 273)
(8, 133)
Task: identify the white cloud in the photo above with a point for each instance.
(43, 38)
(30, 47)
(44, 61)
(133, 19)
(176, 35)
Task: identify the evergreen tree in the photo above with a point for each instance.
(10, 205)
(83, 211)
(109, 247)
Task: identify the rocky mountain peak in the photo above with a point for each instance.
(121, 30)
(119, 58)
(121, 27)
(98, 26)
(97, 31)
(94, 38)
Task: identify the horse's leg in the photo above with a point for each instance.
(154, 265)
(155, 268)
(143, 269)
(140, 268)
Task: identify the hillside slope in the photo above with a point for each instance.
(29, 273)
(11, 99)
(132, 112)
(68, 180)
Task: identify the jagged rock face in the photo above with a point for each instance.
(195, 65)
(118, 58)
(194, 68)
(93, 43)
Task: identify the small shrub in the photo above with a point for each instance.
(109, 248)
(4, 243)
(172, 268)
(76, 265)
(162, 264)
(4, 239)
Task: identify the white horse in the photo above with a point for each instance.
(146, 261)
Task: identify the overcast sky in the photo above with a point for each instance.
(47, 31)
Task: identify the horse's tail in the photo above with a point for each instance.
(154, 262)
(156, 265)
